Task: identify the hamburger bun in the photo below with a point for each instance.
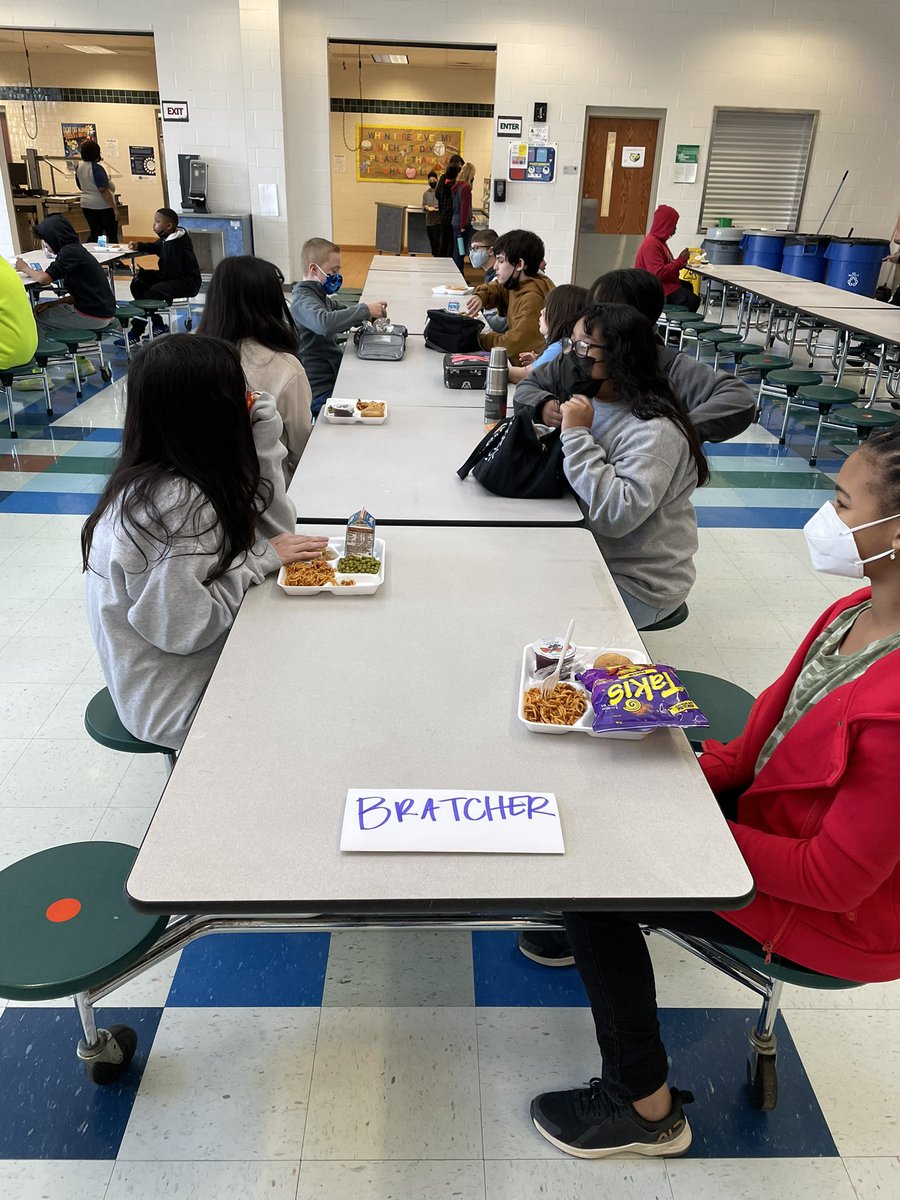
(610, 661)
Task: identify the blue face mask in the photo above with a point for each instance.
(331, 283)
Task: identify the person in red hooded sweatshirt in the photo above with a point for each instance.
(655, 256)
(810, 791)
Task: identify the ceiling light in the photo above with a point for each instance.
(91, 49)
(397, 59)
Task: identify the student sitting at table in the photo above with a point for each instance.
(655, 256)
(18, 332)
(320, 317)
(481, 256)
(518, 293)
(810, 792)
(564, 306)
(193, 515)
(90, 303)
(178, 274)
(631, 455)
(245, 305)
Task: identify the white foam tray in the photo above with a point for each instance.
(356, 419)
(583, 724)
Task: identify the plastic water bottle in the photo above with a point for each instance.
(102, 241)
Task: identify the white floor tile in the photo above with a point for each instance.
(62, 773)
(683, 981)
(14, 613)
(417, 1180)
(203, 1181)
(874, 1178)
(66, 720)
(853, 1061)
(415, 1073)
(32, 582)
(11, 750)
(91, 674)
(522, 1052)
(126, 825)
(43, 659)
(34, 1179)
(24, 707)
(225, 1084)
(573, 1179)
(754, 669)
(759, 1179)
(143, 782)
(58, 617)
(399, 969)
(874, 996)
(25, 831)
(61, 553)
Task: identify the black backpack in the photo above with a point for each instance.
(451, 333)
(515, 460)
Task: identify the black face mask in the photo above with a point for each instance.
(576, 378)
(512, 283)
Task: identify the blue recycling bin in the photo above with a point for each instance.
(854, 264)
(804, 256)
(763, 249)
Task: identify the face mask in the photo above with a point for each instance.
(478, 258)
(576, 376)
(331, 283)
(832, 546)
(512, 283)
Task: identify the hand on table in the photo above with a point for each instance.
(527, 357)
(473, 305)
(132, 245)
(22, 265)
(378, 309)
(549, 413)
(292, 547)
(577, 413)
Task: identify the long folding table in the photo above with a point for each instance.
(417, 379)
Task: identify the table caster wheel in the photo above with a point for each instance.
(105, 374)
(118, 1050)
(762, 1080)
(188, 324)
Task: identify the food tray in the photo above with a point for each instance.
(583, 724)
(452, 289)
(356, 419)
(365, 585)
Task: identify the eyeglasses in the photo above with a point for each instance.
(580, 348)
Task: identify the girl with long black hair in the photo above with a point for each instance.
(245, 305)
(194, 514)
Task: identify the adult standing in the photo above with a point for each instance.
(97, 200)
(432, 214)
(655, 256)
(895, 258)
(444, 194)
(462, 214)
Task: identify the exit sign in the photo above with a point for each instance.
(509, 127)
(174, 110)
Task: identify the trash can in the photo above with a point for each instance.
(854, 264)
(722, 246)
(804, 256)
(763, 248)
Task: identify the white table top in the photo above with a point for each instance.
(417, 380)
(789, 290)
(417, 686)
(409, 297)
(880, 323)
(405, 471)
(419, 264)
(40, 259)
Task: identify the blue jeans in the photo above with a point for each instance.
(318, 401)
(643, 614)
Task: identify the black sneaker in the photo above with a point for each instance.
(549, 947)
(590, 1123)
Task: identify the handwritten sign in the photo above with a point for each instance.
(448, 821)
(403, 154)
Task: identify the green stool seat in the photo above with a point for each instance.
(716, 336)
(768, 362)
(65, 925)
(826, 393)
(678, 617)
(863, 420)
(127, 312)
(72, 338)
(687, 318)
(151, 306)
(48, 348)
(791, 972)
(738, 350)
(705, 327)
(102, 722)
(725, 705)
(793, 378)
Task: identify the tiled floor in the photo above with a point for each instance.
(392, 1065)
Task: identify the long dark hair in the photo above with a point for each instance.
(563, 307)
(883, 449)
(630, 285)
(632, 366)
(186, 423)
(245, 300)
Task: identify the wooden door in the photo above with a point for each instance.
(618, 194)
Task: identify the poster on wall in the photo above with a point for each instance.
(403, 154)
(686, 160)
(143, 160)
(633, 156)
(74, 134)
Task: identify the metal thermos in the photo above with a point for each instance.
(496, 385)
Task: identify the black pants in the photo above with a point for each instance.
(102, 220)
(153, 285)
(684, 296)
(434, 237)
(614, 963)
(447, 235)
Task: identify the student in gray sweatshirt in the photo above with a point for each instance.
(194, 514)
(631, 455)
(719, 405)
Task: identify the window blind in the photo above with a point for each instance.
(756, 167)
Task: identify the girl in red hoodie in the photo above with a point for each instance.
(810, 788)
(655, 256)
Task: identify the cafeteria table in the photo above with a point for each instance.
(417, 686)
(410, 298)
(404, 472)
(416, 379)
(419, 265)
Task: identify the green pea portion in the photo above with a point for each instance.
(358, 564)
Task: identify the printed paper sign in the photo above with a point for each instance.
(633, 156)
(452, 821)
(518, 160)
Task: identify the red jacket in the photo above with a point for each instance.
(655, 256)
(462, 191)
(819, 827)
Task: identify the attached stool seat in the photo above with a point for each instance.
(678, 617)
(765, 364)
(737, 351)
(37, 366)
(103, 724)
(66, 927)
(725, 705)
(787, 384)
(150, 308)
(864, 420)
(714, 338)
(85, 342)
(824, 397)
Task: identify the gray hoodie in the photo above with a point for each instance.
(158, 629)
(719, 405)
(319, 319)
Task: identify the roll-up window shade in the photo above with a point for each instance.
(756, 167)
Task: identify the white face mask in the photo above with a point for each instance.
(832, 546)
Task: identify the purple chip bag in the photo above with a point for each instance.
(640, 698)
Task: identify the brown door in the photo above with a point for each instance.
(615, 198)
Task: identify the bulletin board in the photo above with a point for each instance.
(403, 153)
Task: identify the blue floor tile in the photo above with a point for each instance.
(708, 1049)
(50, 1108)
(504, 978)
(711, 517)
(234, 970)
(72, 503)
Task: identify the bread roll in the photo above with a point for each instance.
(610, 661)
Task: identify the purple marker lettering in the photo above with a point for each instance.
(379, 808)
(403, 808)
(474, 800)
(453, 801)
(538, 804)
(429, 809)
(515, 805)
